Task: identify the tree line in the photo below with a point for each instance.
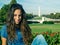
(53, 15)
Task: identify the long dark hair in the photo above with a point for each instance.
(23, 25)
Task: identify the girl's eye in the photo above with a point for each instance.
(19, 15)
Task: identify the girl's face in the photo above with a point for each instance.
(17, 16)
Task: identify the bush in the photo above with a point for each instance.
(48, 22)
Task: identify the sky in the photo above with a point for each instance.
(32, 6)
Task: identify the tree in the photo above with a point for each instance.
(29, 16)
(53, 16)
(12, 2)
(57, 15)
(4, 10)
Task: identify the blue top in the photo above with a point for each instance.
(17, 41)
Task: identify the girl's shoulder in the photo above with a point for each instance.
(4, 31)
(4, 26)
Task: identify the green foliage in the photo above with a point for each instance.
(29, 16)
(4, 10)
(52, 38)
(48, 22)
(57, 15)
(53, 16)
(12, 2)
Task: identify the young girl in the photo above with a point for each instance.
(16, 31)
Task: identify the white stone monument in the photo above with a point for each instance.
(39, 12)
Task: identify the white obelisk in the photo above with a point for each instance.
(39, 11)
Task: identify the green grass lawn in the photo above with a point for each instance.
(45, 27)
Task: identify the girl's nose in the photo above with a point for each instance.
(17, 17)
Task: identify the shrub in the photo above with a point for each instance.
(48, 22)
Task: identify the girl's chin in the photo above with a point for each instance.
(17, 23)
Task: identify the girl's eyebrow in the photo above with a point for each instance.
(19, 14)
